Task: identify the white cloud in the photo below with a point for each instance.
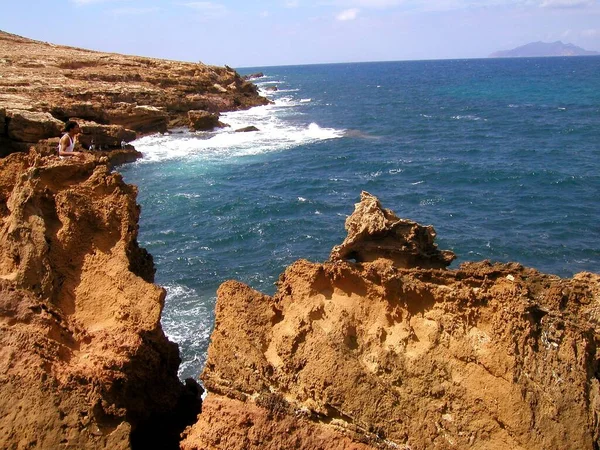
(134, 11)
(377, 3)
(429, 6)
(292, 4)
(368, 4)
(264, 14)
(566, 3)
(348, 14)
(590, 33)
(89, 2)
(208, 9)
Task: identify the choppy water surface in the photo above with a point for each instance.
(501, 156)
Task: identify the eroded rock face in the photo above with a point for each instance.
(202, 120)
(28, 126)
(84, 362)
(377, 355)
(3, 131)
(103, 136)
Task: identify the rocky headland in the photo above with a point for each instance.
(84, 362)
(381, 347)
(543, 49)
(115, 97)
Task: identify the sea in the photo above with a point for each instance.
(501, 156)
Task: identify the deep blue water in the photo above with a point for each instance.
(501, 156)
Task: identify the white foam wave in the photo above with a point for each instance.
(178, 291)
(262, 83)
(186, 195)
(276, 132)
(468, 117)
(187, 320)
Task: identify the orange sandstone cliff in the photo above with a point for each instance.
(84, 362)
(389, 350)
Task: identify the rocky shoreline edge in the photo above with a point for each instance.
(115, 98)
(381, 347)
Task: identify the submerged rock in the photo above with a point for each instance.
(247, 129)
(254, 76)
(391, 353)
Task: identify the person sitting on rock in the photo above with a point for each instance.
(67, 143)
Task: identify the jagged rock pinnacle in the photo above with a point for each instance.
(375, 232)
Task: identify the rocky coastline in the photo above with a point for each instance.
(381, 347)
(84, 362)
(115, 97)
(379, 354)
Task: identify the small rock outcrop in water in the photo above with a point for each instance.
(247, 129)
(254, 76)
(375, 232)
(44, 85)
(374, 355)
(203, 120)
(84, 362)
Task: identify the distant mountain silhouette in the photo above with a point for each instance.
(543, 49)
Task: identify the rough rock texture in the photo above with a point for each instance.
(247, 129)
(372, 355)
(203, 120)
(375, 232)
(140, 94)
(28, 126)
(84, 362)
(103, 136)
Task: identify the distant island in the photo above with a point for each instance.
(543, 49)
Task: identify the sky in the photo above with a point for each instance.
(242, 33)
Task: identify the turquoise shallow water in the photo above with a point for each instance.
(501, 156)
